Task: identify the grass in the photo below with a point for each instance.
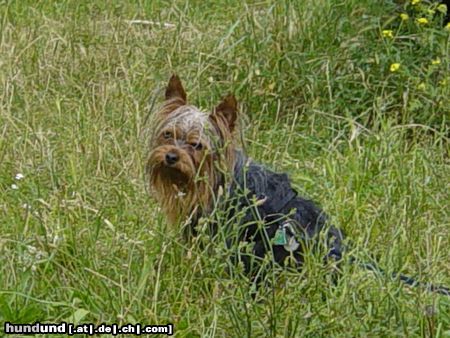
(83, 242)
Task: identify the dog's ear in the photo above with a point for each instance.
(175, 89)
(227, 110)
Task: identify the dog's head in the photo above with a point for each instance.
(189, 151)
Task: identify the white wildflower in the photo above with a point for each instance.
(19, 176)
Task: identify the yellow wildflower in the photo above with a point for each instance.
(421, 86)
(414, 2)
(422, 21)
(394, 67)
(387, 33)
(436, 62)
(447, 26)
(442, 8)
(404, 16)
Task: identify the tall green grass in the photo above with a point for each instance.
(83, 242)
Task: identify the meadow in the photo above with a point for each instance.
(350, 97)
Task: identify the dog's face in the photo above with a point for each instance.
(185, 147)
(182, 147)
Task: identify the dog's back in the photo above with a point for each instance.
(273, 217)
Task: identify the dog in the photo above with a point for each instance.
(196, 170)
(194, 161)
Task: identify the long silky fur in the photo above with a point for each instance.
(210, 173)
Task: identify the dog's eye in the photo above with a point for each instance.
(197, 145)
(167, 134)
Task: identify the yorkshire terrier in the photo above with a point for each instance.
(194, 162)
(197, 171)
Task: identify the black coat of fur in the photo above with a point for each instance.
(261, 201)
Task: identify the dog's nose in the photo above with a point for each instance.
(171, 158)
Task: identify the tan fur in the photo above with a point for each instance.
(186, 188)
